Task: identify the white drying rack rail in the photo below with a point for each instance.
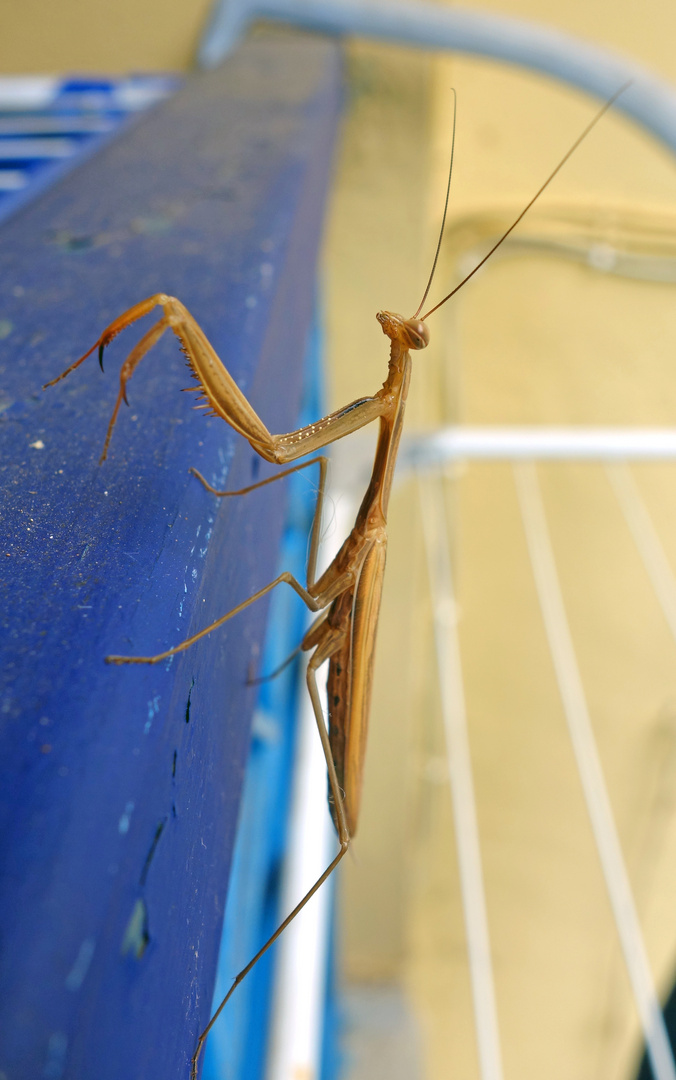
(429, 457)
(468, 443)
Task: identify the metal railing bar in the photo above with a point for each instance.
(577, 62)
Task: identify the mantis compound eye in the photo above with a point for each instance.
(416, 334)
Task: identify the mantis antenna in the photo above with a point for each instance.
(592, 124)
(443, 219)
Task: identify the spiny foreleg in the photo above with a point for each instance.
(219, 391)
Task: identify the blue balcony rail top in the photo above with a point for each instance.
(119, 787)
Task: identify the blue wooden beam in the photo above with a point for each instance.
(119, 787)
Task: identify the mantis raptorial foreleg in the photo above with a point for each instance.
(221, 394)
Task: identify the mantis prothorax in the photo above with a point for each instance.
(347, 595)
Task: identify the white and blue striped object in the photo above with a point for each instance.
(48, 123)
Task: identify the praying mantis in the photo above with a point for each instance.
(345, 597)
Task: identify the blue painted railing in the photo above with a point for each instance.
(120, 787)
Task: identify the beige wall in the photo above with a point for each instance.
(99, 36)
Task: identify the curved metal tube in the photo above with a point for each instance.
(651, 101)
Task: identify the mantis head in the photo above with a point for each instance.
(411, 333)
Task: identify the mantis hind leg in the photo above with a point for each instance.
(322, 653)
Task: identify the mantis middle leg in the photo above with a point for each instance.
(333, 588)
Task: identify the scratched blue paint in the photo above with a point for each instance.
(115, 836)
